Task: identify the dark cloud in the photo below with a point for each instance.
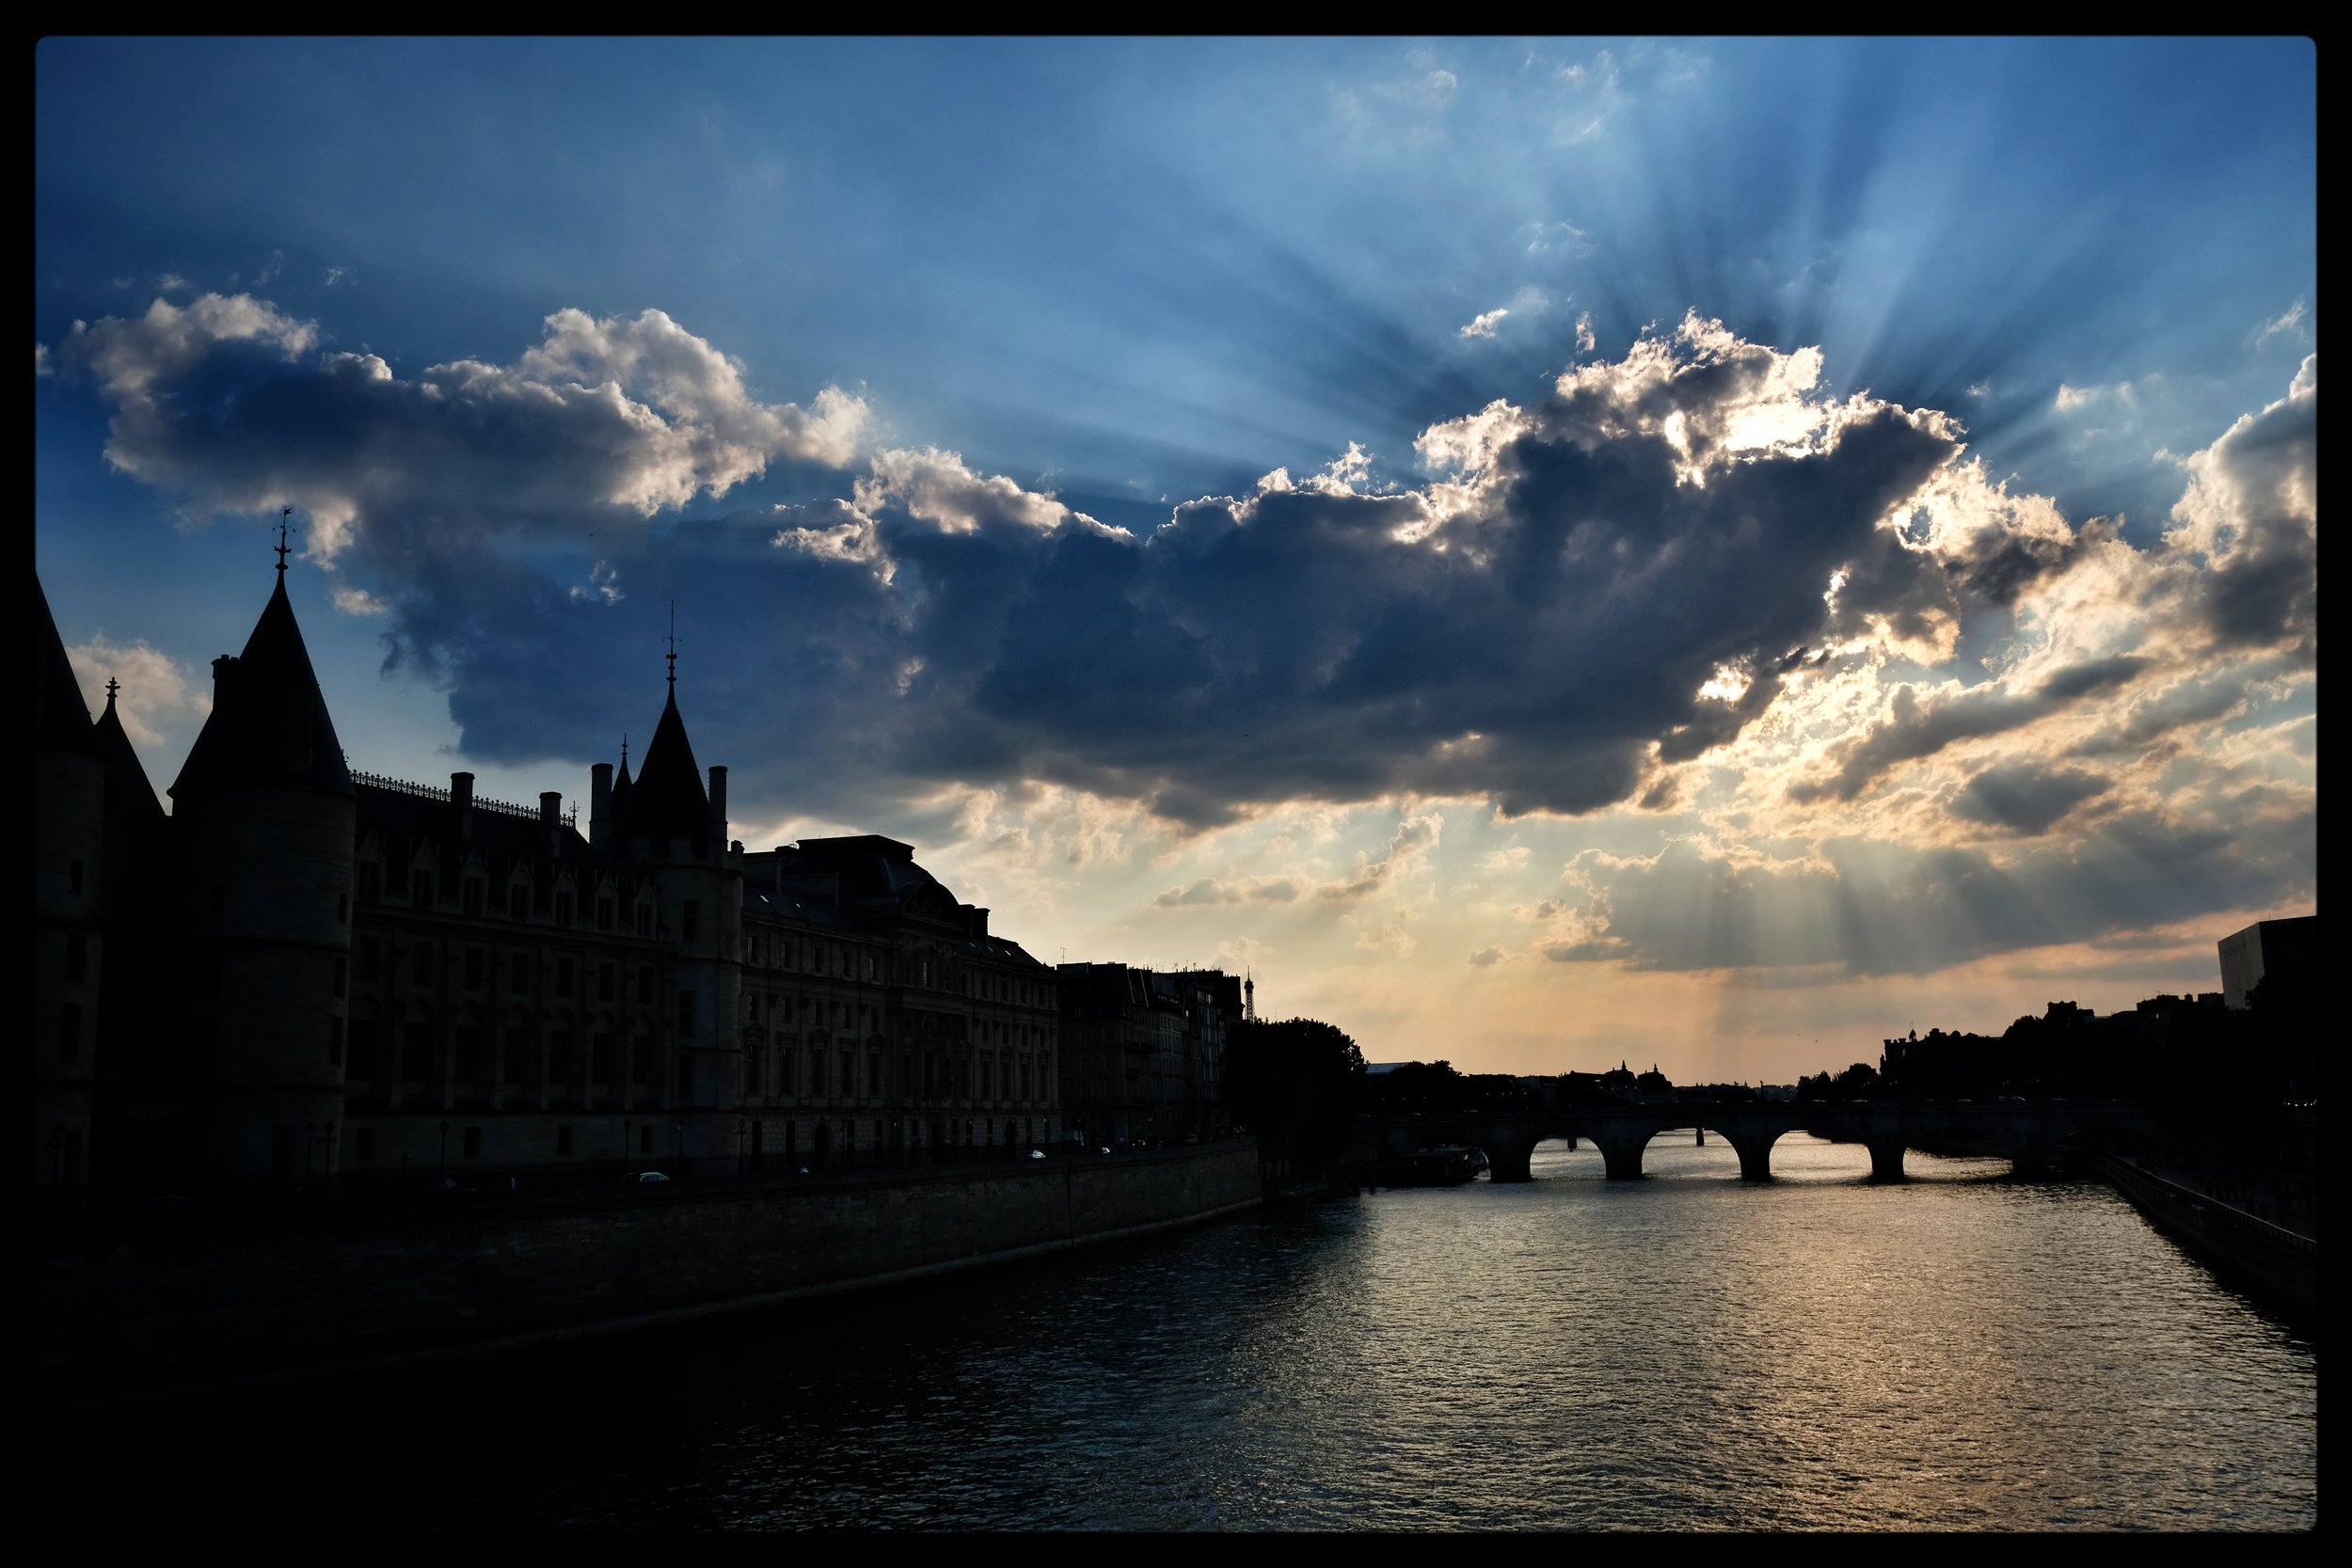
(2252, 514)
(1914, 729)
(1862, 907)
(2025, 798)
(1534, 627)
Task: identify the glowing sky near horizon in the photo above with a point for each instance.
(1709, 552)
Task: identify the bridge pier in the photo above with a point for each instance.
(1886, 1158)
(1756, 1156)
(1702, 1137)
(1510, 1162)
(2029, 1153)
(1621, 1157)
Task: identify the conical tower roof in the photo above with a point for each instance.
(60, 717)
(269, 724)
(667, 801)
(135, 818)
(126, 777)
(623, 785)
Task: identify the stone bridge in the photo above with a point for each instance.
(2026, 1133)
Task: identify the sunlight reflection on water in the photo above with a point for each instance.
(1956, 1351)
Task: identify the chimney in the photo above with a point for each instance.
(551, 808)
(461, 791)
(978, 918)
(599, 804)
(718, 803)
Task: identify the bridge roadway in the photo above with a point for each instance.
(2023, 1131)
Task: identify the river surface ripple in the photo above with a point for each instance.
(1687, 1352)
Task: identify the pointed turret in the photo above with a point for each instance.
(60, 716)
(270, 724)
(667, 801)
(135, 817)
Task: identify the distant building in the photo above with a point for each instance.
(2263, 948)
(1143, 1052)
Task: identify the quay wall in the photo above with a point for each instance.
(146, 1314)
(2262, 1259)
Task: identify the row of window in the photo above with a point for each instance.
(474, 966)
(469, 1138)
(766, 949)
(525, 900)
(406, 1052)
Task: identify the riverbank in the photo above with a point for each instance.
(2266, 1259)
(144, 1315)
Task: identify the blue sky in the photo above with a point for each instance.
(1037, 439)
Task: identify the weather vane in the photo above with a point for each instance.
(672, 644)
(283, 514)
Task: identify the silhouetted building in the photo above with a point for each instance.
(369, 975)
(2266, 947)
(1144, 1049)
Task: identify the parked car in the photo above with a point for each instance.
(648, 1177)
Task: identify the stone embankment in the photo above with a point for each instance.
(141, 1314)
(2266, 1259)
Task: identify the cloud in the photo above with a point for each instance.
(1486, 957)
(1686, 561)
(156, 696)
(2071, 398)
(1208, 890)
(1555, 239)
(2249, 519)
(1414, 838)
(335, 276)
(1585, 341)
(1913, 728)
(418, 480)
(1863, 907)
(1483, 324)
(172, 283)
(2290, 320)
(41, 360)
(2025, 798)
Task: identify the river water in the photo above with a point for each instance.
(1686, 1352)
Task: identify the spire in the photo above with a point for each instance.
(674, 650)
(132, 809)
(270, 724)
(60, 715)
(283, 512)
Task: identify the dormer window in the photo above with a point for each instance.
(644, 919)
(371, 882)
(474, 893)
(420, 888)
(518, 902)
(604, 914)
(563, 908)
